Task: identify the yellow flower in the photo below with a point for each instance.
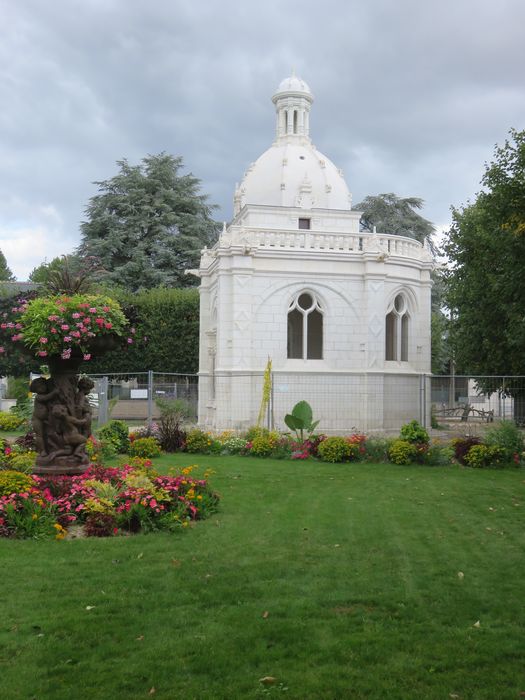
(199, 497)
(34, 516)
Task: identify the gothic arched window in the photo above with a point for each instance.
(396, 330)
(305, 328)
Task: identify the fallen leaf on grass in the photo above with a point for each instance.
(267, 680)
(139, 556)
(152, 691)
(461, 575)
(454, 696)
(477, 624)
(266, 614)
(90, 607)
(139, 639)
(175, 562)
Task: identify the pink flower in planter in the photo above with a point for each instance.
(92, 310)
(64, 327)
(67, 339)
(2, 349)
(87, 356)
(42, 340)
(42, 353)
(54, 330)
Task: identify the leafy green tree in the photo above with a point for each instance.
(392, 214)
(5, 273)
(42, 273)
(147, 224)
(485, 282)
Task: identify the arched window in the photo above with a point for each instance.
(396, 330)
(305, 328)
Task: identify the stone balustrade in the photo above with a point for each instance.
(364, 242)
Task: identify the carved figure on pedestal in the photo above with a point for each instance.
(46, 392)
(68, 427)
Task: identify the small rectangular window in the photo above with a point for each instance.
(304, 223)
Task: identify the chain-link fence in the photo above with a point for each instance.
(132, 397)
(478, 398)
(341, 401)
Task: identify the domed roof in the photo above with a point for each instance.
(293, 174)
(292, 84)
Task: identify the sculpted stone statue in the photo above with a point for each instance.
(62, 422)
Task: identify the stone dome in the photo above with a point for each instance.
(292, 84)
(292, 172)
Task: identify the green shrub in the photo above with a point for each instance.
(438, 455)
(233, 445)
(116, 431)
(264, 445)
(199, 441)
(9, 421)
(21, 461)
(255, 431)
(402, 452)
(144, 447)
(480, 456)
(337, 449)
(462, 446)
(413, 432)
(508, 437)
(376, 449)
(12, 481)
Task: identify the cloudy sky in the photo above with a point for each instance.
(410, 97)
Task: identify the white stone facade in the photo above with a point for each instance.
(295, 242)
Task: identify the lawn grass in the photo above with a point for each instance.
(339, 581)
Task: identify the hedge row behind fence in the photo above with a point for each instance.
(166, 339)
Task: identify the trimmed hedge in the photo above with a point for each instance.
(166, 339)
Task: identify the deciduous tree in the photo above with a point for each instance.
(485, 282)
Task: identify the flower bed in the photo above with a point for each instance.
(104, 501)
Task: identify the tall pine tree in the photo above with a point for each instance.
(147, 224)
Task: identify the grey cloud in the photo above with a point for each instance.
(410, 96)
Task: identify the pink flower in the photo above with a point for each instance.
(64, 327)
(87, 356)
(99, 321)
(53, 317)
(75, 315)
(42, 353)
(92, 310)
(66, 354)
(108, 325)
(106, 308)
(2, 349)
(67, 339)
(54, 330)
(130, 340)
(42, 340)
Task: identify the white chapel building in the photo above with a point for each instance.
(344, 315)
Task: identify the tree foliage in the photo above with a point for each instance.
(485, 284)
(148, 224)
(5, 273)
(398, 215)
